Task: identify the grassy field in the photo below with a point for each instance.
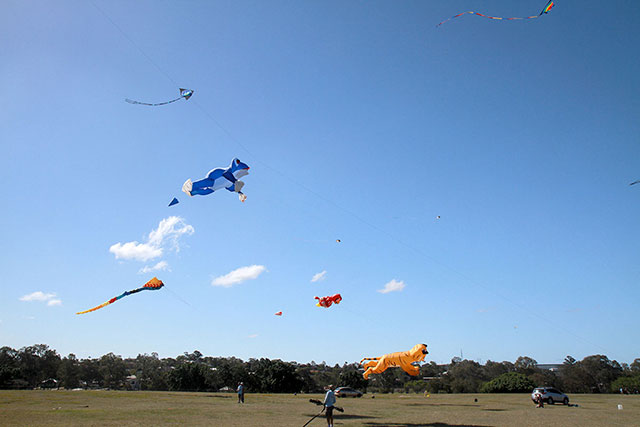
(58, 407)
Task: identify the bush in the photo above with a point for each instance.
(511, 382)
(627, 384)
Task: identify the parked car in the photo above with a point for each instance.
(347, 392)
(549, 395)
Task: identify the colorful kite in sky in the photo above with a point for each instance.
(403, 359)
(152, 285)
(184, 93)
(546, 9)
(279, 313)
(327, 301)
(220, 178)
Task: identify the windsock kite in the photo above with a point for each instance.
(152, 285)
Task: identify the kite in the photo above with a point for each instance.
(403, 359)
(635, 182)
(546, 10)
(338, 240)
(152, 285)
(220, 178)
(174, 202)
(279, 313)
(327, 301)
(184, 93)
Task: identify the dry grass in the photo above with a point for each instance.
(445, 410)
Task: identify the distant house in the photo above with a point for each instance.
(49, 383)
(133, 383)
(549, 366)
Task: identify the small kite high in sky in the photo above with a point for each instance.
(279, 313)
(635, 182)
(220, 178)
(327, 301)
(403, 359)
(152, 285)
(546, 9)
(184, 93)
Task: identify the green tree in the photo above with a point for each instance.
(351, 377)
(189, 377)
(510, 382)
(151, 372)
(69, 372)
(112, 370)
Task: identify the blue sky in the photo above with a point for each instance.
(361, 121)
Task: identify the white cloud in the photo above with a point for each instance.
(239, 275)
(37, 296)
(162, 265)
(169, 231)
(392, 286)
(319, 276)
(135, 250)
(167, 235)
(42, 297)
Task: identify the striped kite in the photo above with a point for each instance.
(184, 93)
(152, 285)
(546, 9)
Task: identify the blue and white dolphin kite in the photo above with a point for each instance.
(220, 178)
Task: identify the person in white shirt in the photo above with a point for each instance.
(329, 401)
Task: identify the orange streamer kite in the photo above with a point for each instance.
(152, 285)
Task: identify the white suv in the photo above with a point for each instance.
(550, 395)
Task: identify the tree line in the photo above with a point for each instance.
(31, 367)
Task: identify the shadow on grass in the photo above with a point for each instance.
(340, 416)
(494, 410)
(420, 425)
(220, 397)
(442, 404)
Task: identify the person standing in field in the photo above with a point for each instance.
(329, 401)
(240, 391)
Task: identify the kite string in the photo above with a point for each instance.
(325, 199)
(177, 296)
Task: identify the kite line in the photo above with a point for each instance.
(392, 236)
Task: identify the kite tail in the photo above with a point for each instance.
(131, 101)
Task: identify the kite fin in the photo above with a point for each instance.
(174, 202)
(187, 187)
(242, 197)
(237, 187)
